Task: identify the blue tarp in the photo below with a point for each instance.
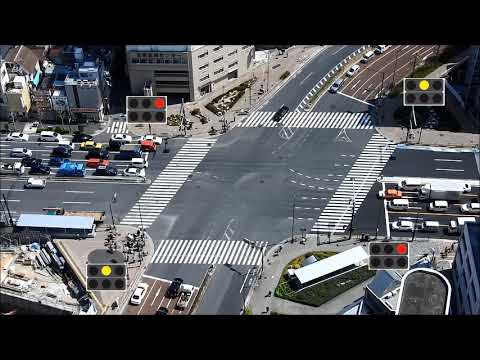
(55, 221)
(36, 79)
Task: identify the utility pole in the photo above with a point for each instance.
(268, 68)
(293, 218)
(250, 91)
(8, 210)
(414, 64)
(353, 209)
(318, 238)
(111, 214)
(381, 87)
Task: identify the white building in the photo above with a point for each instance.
(466, 272)
(189, 71)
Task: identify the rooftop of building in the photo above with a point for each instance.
(473, 230)
(163, 48)
(22, 55)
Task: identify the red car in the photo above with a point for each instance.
(148, 145)
(94, 162)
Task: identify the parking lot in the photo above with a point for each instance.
(155, 298)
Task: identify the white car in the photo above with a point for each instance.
(139, 294)
(156, 139)
(467, 188)
(353, 70)
(34, 183)
(123, 138)
(243, 112)
(134, 171)
(473, 208)
(402, 225)
(21, 153)
(17, 136)
(336, 85)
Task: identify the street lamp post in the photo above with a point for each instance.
(353, 209)
(262, 250)
(268, 68)
(293, 218)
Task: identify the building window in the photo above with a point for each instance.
(218, 59)
(149, 54)
(218, 71)
(155, 55)
(218, 48)
(205, 66)
(233, 64)
(144, 55)
(205, 78)
(150, 61)
(233, 52)
(143, 61)
(203, 55)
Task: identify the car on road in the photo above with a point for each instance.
(30, 161)
(243, 112)
(114, 145)
(80, 138)
(390, 194)
(280, 113)
(174, 288)
(96, 162)
(21, 152)
(87, 145)
(40, 169)
(56, 161)
(353, 70)
(139, 294)
(467, 188)
(17, 136)
(162, 311)
(402, 225)
(148, 146)
(472, 208)
(121, 138)
(104, 170)
(336, 85)
(134, 171)
(50, 136)
(34, 183)
(380, 49)
(99, 153)
(366, 58)
(438, 206)
(156, 139)
(61, 151)
(398, 205)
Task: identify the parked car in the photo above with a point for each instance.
(56, 161)
(472, 208)
(17, 136)
(390, 194)
(336, 85)
(40, 169)
(21, 152)
(87, 145)
(105, 170)
(30, 161)
(402, 225)
(134, 171)
(80, 138)
(100, 153)
(34, 183)
(156, 139)
(162, 311)
(139, 294)
(353, 70)
(280, 113)
(61, 151)
(174, 288)
(122, 138)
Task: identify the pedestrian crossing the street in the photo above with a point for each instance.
(311, 120)
(337, 215)
(234, 252)
(169, 181)
(118, 127)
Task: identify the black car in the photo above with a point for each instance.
(61, 151)
(79, 138)
(114, 145)
(103, 170)
(97, 153)
(39, 168)
(28, 161)
(280, 113)
(162, 311)
(174, 288)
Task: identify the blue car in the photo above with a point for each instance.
(57, 161)
(72, 169)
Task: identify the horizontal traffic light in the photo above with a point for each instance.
(423, 92)
(388, 255)
(106, 277)
(147, 109)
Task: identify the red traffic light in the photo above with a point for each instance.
(401, 249)
(159, 103)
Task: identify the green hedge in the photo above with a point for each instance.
(284, 75)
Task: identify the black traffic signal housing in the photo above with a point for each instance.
(147, 109)
(106, 277)
(423, 92)
(392, 255)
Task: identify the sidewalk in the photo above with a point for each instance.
(297, 57)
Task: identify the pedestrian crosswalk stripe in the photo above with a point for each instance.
(159, 194)
(337, 215)
(323, 120)
(118, 127)
(233, 252)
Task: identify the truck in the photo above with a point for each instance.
(455, 226)
(12, 168)
(186, 292)
(129, 151)
(441, 191)
(72, 169)
(99, 216)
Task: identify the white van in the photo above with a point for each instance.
(380, 49)
(438, 206)
(410, 185)
(66, 143)
(455, 226)
(366, 58)
(398, 204)
(430, 226)
(139, 163)
(50, 136)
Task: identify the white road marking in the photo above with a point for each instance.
(77, 202)
(386, 213)
(449, 169)
(158, 292)
(455, 160)
(79, 192)
(12, 189)
(301, 82)
(336, 52)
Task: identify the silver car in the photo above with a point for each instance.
(35, 183)
(21, 152)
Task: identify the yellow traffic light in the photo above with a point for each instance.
(424, 85)
(106, 270)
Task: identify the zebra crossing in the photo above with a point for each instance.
(156, 198)
(118, 127)
(337, 215)
(312, 120)
(234, 252)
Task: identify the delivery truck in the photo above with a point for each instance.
(455, 226)
(99, 216)
(441, 191)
